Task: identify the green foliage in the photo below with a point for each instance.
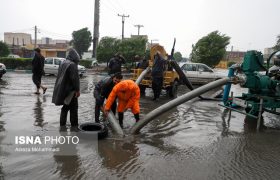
(81, 40)
(131, 47)
(17, 63)
(277, 45)
(109, 46)
(4, 49)
(210, 49)
(85, 63)
(148, 54)
(106, 49)
(178, 56)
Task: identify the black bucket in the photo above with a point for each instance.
(94, 128)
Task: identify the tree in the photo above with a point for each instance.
(4, 49)
(106, 49)
(109, 46)
(131, 47)
(178, 56)
(210, 49)
(277, 46)
(81, 40)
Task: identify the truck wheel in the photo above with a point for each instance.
(172, 91)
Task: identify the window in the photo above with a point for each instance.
(189, 67)
(57, 61)
(48, 61)
(204, 68)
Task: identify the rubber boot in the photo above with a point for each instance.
(121, 119)
(136, 116)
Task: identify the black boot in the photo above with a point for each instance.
(121, 119)
(136, 116)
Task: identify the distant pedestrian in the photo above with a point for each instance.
(38, 70)
(101, 92)
(67, 88)
(157, 75)
(115, 64)
(143, 64)
(136, 61)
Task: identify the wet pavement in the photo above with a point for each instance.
(195, 140)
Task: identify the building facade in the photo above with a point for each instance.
(17, 39)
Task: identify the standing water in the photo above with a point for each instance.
(195, 140)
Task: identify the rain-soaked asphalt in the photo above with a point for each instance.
(192, 141)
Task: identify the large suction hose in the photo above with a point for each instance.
(142, 75)
(171, 104)
(114, 124)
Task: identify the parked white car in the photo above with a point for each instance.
(2, 69)
(13, 56)
(52, 65)
(199, 73)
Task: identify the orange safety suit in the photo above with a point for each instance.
(128, 94)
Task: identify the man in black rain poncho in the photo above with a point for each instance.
(67, 88)
(157, 74)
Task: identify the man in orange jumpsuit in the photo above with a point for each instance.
(128, 94)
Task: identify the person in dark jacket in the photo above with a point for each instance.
(38, 70)
(67, 88)
(102, 90)
(115, 64)
(157, 74)
(143, 64)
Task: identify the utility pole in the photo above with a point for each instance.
(123, 16)
(95, 28)
(35, 44)
(138, 26)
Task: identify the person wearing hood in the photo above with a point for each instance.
(128, 94)
(157, 75)
(67, 88)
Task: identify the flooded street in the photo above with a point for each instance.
(192, 141)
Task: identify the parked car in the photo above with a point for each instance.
(13, 56)
(2, 69)
(199, 73)
(52, 65)
(94, 63)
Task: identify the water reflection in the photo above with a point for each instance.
(38, 112)
(120, 155)
(226, 116)
(67, 159)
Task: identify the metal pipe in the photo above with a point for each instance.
(228, 86)
(142, 75)
(171, 104)
(260, 114)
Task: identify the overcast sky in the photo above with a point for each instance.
(251, 24)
